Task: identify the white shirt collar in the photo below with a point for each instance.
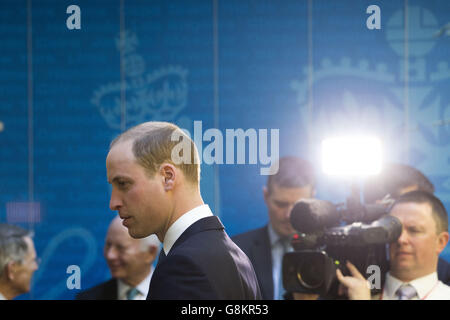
(422, 285)
(142, 287)
(2, 297)
(182, 223)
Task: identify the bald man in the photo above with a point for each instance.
(130, 263)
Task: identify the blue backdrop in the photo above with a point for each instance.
(309, 68)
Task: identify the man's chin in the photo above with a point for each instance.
(117, 274)
(403, 260)
(288, 232)
(401, 268)
(285, 233)
(134, 233)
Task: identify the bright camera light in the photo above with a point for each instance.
(351, 156)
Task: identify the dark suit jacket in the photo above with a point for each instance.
(104, 291)
(256, 245)
(204, 264)
(444, 271)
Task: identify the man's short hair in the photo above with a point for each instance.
(153, 145)
(293, 172)
(13, 246)
(438, 210)
(393, 178)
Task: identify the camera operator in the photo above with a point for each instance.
(413, 257)
(397, 179)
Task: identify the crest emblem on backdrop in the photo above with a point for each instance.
(157, 95)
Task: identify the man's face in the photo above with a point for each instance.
(140, 200)
(415, 254)
(124, 256)
(23, 272)
(280, 202)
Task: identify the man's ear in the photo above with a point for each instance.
(266, 194)
(442, 241)
(169, 175)
(153, 252)
(150, 254)
(10, 269)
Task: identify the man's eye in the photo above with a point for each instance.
(281, 204)
(122, 183)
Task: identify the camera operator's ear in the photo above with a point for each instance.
(442, 241)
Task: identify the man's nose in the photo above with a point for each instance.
(288, 211)
(110, 253)
(115, 202)
(403, 237)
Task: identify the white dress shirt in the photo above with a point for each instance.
(184, 222)
(427, 287)
(2, 297)
(277, 260)
(122, 288)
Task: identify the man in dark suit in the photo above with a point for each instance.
(394, 181)
(130, 263)
(154, 171)
(266, 246)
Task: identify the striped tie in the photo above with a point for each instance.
(132, 293)
(406, 292)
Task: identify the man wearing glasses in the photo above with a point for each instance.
(18, 261)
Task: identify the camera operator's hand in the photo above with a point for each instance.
(304, 296)
(356, 287)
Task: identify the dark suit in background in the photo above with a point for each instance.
(104, 291)
(292, 180)
(204, 264)
(444, 271)
(256, 245)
